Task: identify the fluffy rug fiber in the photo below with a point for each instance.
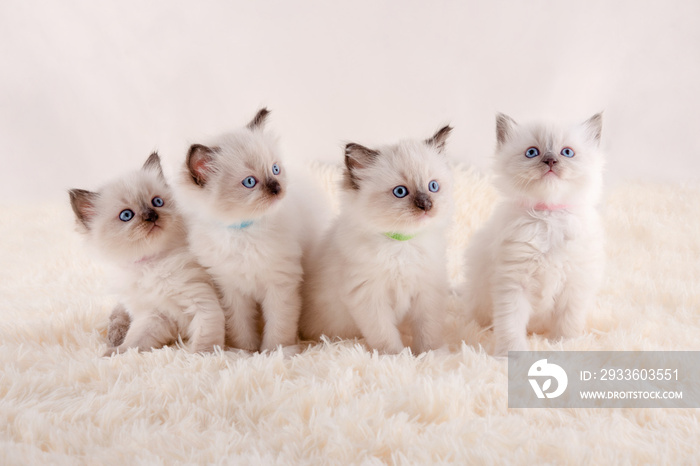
(337, 403)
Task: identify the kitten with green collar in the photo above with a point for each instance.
(383, 261)
(165, 294)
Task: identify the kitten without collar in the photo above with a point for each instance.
(537, 263)
(249, 227)
(383, 260)
(165, 294)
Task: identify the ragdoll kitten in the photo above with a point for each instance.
(165, 293)
(383, 259)
(249, 230)
(538, 261)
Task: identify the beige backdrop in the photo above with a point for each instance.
(87, 89)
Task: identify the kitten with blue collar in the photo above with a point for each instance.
(165, 294)
(250, 228)
(383, 261)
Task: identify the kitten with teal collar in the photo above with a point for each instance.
(165, 293)
(537, 263)
(383, 261)
(249, 227)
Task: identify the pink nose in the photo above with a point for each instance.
(549, 160)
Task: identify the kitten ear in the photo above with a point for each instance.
(153, 163)
(83, 204)
(258, 121)
(504, 126)
(357, 157)
(440, 138)
(594, 127)
(198, 162)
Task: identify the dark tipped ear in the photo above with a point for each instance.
(153, 163)
(199, 163)
(504, 126)
(440, 138)
(357, 157)
(594, 126)
(258, 121)
(83, 204)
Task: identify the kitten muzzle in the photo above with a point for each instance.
(549, 159)
(273, 187)
(423, 202)
(150, 215)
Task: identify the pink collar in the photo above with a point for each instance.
(551, 207)
(146, 259)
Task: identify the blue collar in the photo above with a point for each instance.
(240, 226)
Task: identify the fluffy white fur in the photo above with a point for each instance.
(335, 402)
(537, 263)
(251, 239)
(362, 283)
(162, 288)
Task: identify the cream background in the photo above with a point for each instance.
(87, 88)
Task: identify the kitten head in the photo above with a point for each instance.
(239, 176)
(132, 218)
(540, 163)
(401, 188)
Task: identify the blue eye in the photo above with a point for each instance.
(400, 191)
(532, 152)
(250, 182)
(126, 215)
(157, 202)
(433, 186)
(276, 169)
(567, 152)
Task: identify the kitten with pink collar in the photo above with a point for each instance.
(165, 293)
(537, 263)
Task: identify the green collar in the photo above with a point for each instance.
(399, 236)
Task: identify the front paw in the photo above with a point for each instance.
(443, 350)
(251, 345)
(119, 323)
(389, 349)
(205, 348)
(250, 348)
(111, 351)
(287, 351)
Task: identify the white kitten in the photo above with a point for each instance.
(383, 260)
(538, 262)
(250, 233)
(134, 223)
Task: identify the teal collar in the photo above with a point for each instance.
(240, 226)
(399, 236)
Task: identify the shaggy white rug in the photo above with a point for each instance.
(61, 403)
